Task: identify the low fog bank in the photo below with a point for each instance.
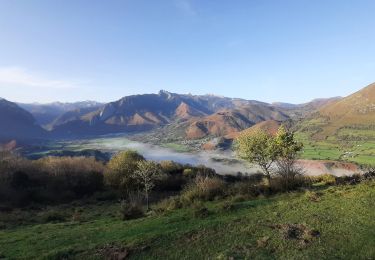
(222, 162)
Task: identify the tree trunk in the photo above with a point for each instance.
(147, 204)
(268, 176)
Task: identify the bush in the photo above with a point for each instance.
(188, 172)
(168, 205)
(352, 179)
(203, 188)
(326, 179)
(80, 175)
(54, 216)
(171, 167)
(120, 171)
(51, 179)
(131, 209)
(171, 182)
(369, 175)
(281, 184)
(247, 188)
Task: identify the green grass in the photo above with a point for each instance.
(361, 151)
(344, 216)
(176, 147)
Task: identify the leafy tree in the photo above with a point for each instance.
(267, 151)
(258, 147)
(288, 150)
(147, 174)
(121, 168)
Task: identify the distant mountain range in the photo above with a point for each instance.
(205, 114)
(46, 114)
(195, 116)
(17, 123)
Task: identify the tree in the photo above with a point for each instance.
(288, 150)
(147, 173)
(258, 147)
(121, 168)
(268, 151)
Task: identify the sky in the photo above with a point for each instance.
(269, 50)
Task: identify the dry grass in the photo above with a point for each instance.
(203, 188)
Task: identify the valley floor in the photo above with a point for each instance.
(335, 222)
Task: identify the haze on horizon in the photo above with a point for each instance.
(288, 51)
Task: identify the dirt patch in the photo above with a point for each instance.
(298, 232)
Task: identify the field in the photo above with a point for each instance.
(335, 222)
(353, 144)
(176, 147)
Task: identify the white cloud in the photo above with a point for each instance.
(186, 7)
(21, 77)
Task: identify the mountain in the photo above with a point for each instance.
(17, 123)
(300, 111)
(45, 114)
(268, 126)
(285, 105)
(320, 102)
(228, 122)
(356, 111)
(358, 108)
(144, 112)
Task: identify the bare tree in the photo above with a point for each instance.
(147, 173)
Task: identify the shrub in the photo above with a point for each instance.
(120, 171)
(203, 171)
(326, 179)
(170, 182)
(247, 188)
(352, 179)
(281, 184)
(54, 216)
(188, 172)
(171, 167)
(203, 188)
(168, 205)
(369, 175)
(131, 209)
(80, 175)
(51, 179)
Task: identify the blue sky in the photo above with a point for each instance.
(291, 51)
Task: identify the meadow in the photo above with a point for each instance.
(323, 222)
(347, 144)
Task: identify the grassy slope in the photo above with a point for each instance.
(343, 129)
(344, 216)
